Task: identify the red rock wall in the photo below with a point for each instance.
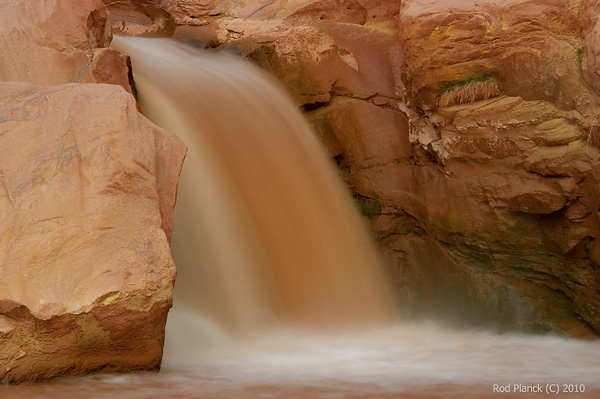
(516, 174)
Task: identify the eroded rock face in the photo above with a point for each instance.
(87, 196)
(57, 42)
(485, 211)
(512, 173)
(87, 191)
(139, 18)
(530, 46)
(52, 41)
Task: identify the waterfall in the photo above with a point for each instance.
(277, 276)
(265, 231)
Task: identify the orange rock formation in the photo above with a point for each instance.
(87, 191)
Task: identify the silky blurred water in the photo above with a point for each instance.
(401, 361)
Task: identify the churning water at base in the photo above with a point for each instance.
(295, 306)
(402, 361)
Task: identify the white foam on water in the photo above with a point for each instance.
(401, 355)
(393, 362)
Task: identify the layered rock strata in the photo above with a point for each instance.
(87, 191)
(511, 188)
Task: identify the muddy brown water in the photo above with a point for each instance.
(399, 361)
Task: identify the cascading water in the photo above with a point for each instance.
(279, 293)
(264, 228)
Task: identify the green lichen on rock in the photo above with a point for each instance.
(369, 207)
(580, 56)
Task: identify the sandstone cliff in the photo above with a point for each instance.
(87, 190)
(467, 132)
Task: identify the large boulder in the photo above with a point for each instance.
(87, 191)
